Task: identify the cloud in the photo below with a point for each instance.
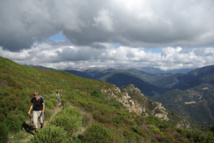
(66, 56)
(138, 23)
(90, 30)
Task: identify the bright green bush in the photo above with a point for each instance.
(14, 122)
(154, 129)
(3, 132)
(49, 104)
(47, 113)
(54, 101)
(69, 118)
(97, 133)
(50, 134)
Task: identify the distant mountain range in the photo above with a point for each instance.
(190, 94)
(140, 79)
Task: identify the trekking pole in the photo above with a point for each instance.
(43, 117)
(29, 118)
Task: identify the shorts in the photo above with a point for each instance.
(59, 100)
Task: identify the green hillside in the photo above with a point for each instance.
(88, 115)
(191, 94)
(196, 103)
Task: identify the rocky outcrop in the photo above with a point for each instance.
(135, 101)
(132, 98)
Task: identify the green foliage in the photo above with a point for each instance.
(14, 121)
(155, 129)
(69, 118)
(3, 132)
(47, 113)
(49, 104)
(132, 137)
(114, 103)
(51, 134)
(97, 133)
(135, 129)
(54, 101)
(96, 93)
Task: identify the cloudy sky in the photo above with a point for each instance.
(61, 34)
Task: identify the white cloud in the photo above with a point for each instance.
(78, 57)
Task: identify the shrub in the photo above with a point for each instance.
(50, 134)
(47, 113)
(154, 129)
(97, 133)
(54, 101)
(135, 129)
(69, 118)
(96, 93)
(132, 137)
(14, 122)
(114, 103)
(3, 132)
(49, 104)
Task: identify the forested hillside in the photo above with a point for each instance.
(88, 113)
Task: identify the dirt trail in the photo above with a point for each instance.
(46, 122)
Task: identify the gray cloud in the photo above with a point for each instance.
(138, 23)
(92, 29)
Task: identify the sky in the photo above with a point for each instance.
(78, 34)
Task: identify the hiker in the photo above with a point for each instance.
(38, 105)
(58, 96)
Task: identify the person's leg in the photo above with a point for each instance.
(59, 101)
(35, 118)
(41, 117)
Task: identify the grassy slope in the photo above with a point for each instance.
(99, 113)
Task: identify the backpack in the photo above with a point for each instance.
(40, 97)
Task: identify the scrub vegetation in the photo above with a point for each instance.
(88, 115)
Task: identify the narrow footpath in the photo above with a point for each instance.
(46, 122)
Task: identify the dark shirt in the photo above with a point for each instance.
(37, 104)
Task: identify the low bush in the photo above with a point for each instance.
(69, 118)
(47, 113)
(154, 129)
(135, 129)
(132, 137)
(96, 93)
(97, 133)
(54, 101)
(14, 122)
(51, 134)
(49, 104)
(3, 132)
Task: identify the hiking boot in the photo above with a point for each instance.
(42, 125)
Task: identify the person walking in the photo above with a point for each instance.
(38, 106)
(58, 96)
